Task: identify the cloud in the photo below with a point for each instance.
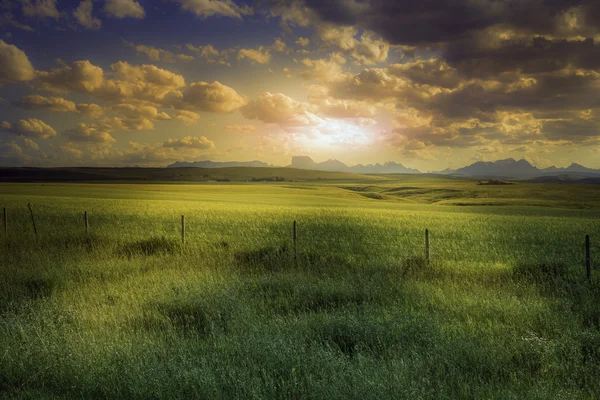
(190, 142)
(29, 127)
(212, 55)
(40, 8)
(279, 45)
(30, 144)
(88, 133)
(157, 54)
(303, 42)
(365, 50)
(57, 104)
(80, 76)
(91, 110)
(83, 15)
(14, 64)
(162, 153)
(242, 128)
(262, 55)
(209, 8)
(11, 154)
(213, 97)
(140, 83)
(124, 9)
(188, 117)
(280, 109)
(7, 19)
(325, 70)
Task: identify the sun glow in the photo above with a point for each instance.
(335, 133)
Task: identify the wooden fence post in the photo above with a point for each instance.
(182, 229)
(85, 219)
(588, 259)
(427, 245)
(5, 220)
(295, 243)
(32, 220)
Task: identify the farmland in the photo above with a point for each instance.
(351, 310)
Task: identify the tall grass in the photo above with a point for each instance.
(502, 311)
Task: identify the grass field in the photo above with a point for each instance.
(503, 310)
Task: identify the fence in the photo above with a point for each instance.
(429, 245)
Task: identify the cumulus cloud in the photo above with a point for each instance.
(209, 8)
(11, 154)
(324, 70)
(29, 127)
(88, 133)
(213, 97)
(57, 104)
(14, 64)
(280, 109)
(80, 76)
(30, 144)
(140, 83)
(365, 49)
(83, 15)
(91, 110)
(188, 117)
(190, 142)
(124, 9)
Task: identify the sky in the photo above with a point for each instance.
(432, 84)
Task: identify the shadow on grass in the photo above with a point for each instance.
(269, 258)
(559, 281)
(150, 247)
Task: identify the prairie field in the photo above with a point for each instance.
(351, 309)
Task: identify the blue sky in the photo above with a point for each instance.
(122, 82)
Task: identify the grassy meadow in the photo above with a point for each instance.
(502, 311)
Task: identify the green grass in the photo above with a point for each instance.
(502, 311)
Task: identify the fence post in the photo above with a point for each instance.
(85, 219)
(32, 220)
(183, 229)
(427, 245)
(295, 243)
(5, 219)
(588, 259)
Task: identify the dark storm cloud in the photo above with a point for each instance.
(409, 22)
(510, 71)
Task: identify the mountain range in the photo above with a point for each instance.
(507, 168)
(522, 169)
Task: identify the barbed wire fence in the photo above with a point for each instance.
(360, 240)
